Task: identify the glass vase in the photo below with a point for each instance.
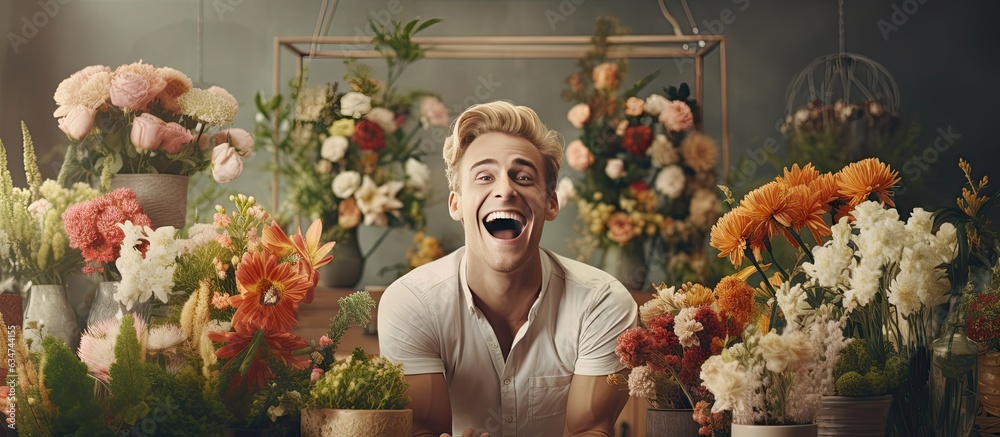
(627, 264)
(953, 384)
(48, 312)
(105, 306)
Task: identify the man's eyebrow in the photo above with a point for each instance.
(487, 161)
(526, 163)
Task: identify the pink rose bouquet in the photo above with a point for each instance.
(641, 160)
(143, 119)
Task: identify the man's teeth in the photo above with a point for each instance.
(505, 215)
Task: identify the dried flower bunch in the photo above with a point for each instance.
(647, 177)
(143, 119)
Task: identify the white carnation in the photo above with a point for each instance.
(670, 181)
(418, 176)
(655, 104)
(687, 328)
(345, 183)
(727, 381)
(384, 118)
(355, 104)
(333, 149)
(565, 192)
(787, 351)
(641, 382)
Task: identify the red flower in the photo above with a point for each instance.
(270, 292)
(638, 186)
(254, 369)
(637, 139)
(92, 226)
(634, 347)
(369, 135)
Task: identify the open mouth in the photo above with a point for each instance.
(504, 225)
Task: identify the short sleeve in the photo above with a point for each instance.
(612, 312)
(407, 333)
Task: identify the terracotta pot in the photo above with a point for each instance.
(805, 430)
(663, 423)
(163, 196)
(356, 423)
(853, 416)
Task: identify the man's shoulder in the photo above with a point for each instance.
(431, 277)
(581, 276)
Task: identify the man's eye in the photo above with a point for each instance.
(485, 178)
(525, 178)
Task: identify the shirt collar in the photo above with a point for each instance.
(467, 292)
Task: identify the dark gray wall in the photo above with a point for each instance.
(942, 58)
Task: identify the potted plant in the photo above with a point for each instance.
(36, 247)
(349, 156)
(681, 328)
(360, 395)
(148, 129)
(864, 386)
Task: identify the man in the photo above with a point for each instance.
(503, 338)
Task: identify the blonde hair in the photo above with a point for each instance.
(502, 117)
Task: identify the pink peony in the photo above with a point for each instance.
(578, 156)
(78, 122)
(175, 137)
(578, 115)
(433, 111)
(226, 163)
(147, 132)
(239, 138)
(87, 87)
(676, 116)
(606, 76)
(635, 106)
(621, 230)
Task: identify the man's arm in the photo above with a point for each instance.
(593, 406)
(430, 403)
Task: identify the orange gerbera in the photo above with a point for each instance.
(770, 209)
(311, 255)
(810, 214)
(269, 292)
(859, 180)
(799, 176)
(735, 300)
(732, 235)
(254, 370)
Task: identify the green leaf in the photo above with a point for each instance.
(632, 92)
(427, 24)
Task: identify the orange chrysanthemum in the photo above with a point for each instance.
(697, 295)
(811, 209)
(735, 301)
(270, 292)
(731, 235)
(770, 209)
(826, 188)
(799, 176)
(859, 180)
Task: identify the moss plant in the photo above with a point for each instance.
(361, 382)
(858, 374)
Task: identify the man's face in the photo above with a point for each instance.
(502, 200)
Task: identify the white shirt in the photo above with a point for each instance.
(428, 322)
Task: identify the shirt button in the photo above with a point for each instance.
(506, 381)
(510, 419)
(493, 345)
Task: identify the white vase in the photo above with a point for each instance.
(48, 307)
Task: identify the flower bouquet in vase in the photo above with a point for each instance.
(148, 129)
(647, 177)
(681, 328)
(350, 155)
(35, 248)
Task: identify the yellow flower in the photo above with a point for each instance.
(343, 127)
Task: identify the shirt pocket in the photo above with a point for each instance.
(547, 396)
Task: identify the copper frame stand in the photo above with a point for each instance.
(520, 47)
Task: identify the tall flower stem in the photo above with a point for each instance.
(767, 283)
(798, 239)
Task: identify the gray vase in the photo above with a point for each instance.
(105, 306)
(627, 264)
(347, 266)
(663, 423)
(48, 307)
(853, 416)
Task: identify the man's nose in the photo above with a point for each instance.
(504, 188)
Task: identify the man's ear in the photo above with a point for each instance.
(552, 207)
(454, 207)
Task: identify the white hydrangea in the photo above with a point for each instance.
(345, 183)
(670, 181)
